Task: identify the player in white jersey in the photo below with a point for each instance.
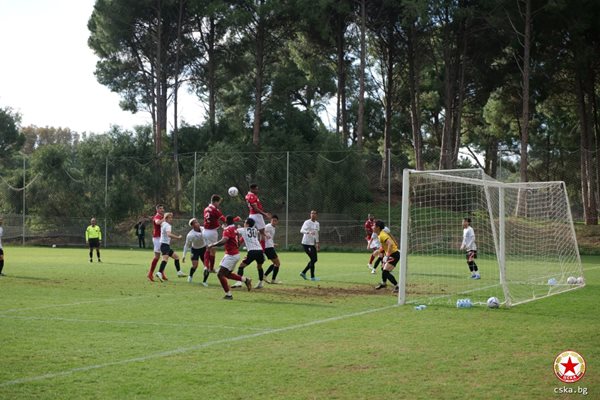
(166, 235)
(375, 246)
(468, 244)
(196, 244)
(310, 241)
(251, 237)
(270, 250)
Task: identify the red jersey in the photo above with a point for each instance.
(232, 244)
(212, 215)
(369, 224)
(156, 227)
(251, 198)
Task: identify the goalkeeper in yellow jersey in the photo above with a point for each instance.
(389, 247)
(93, 237)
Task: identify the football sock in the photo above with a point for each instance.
(91, 254)
(153, 264)
(371, 259)
(377, 262)
(236, 277)
(383, 276)
(275, 272)
(206, 259)
(177, 267)
(269, 270)
(241, 271)
(205, 274)
(163, 265)
(391, 278)
(192, 270)
(261, 273)
(98, 253)
(1, 265)
(312, 270)
(224, 283)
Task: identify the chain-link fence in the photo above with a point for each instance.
(54, 206)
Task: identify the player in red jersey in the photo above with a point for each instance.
(232, 255)
(369, 225)
(212, 220)
(157, 220)
(256, 211)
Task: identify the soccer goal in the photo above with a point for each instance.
(526, 244)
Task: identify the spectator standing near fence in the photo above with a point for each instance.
(310, 242)
(1, 249)
(140, 232)
(93, 237)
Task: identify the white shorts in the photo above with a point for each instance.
(211, 235)
(229, 262)
(156, 242)
(374, 244)
(259, 221)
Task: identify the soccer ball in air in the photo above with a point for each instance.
(571, 280)
(493, 302)
(233, 191)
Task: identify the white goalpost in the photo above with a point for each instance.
(526, 243)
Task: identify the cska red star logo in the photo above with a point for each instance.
(569, 366)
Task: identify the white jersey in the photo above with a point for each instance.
(310, 230)
(374, 243)
(1, 233)
(270, 236)
(468, 242)
(194, 240)
(165, 229)
(250, 235)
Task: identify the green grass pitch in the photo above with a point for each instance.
(74, 330)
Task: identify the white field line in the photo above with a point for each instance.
(136, 323)
(180, 350)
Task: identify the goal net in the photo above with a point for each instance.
(526, 244)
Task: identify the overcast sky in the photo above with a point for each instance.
(47, 69)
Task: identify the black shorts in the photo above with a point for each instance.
(94, 243)
(394, 258)
(198, 254)
(271, 253)
(254, 255)
(166, 250)
(1, 251)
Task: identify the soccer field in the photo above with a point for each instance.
(74, 330)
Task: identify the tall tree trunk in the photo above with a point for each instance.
(586, 144)
(158, 70)
(388, 101)
(175, 103)
(212, 84)
(341, 127)
(258, 88)
(360, 126)
(415, 94)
